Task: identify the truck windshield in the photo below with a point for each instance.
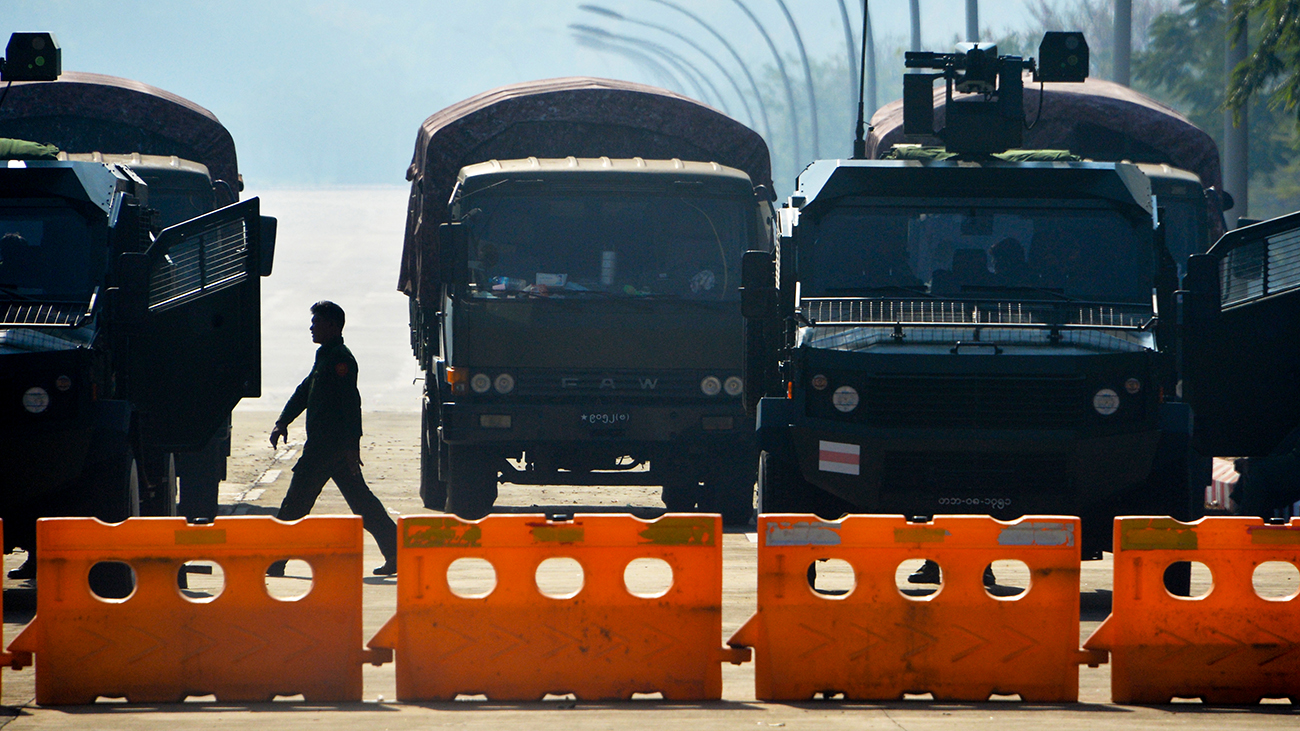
(607, 245)
(45, 254)
(985, 249)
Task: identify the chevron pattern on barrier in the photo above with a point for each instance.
(875, 643)
(601, 643)
(1230, 645)
(156, 646)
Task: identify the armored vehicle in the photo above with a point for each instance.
(129, 301)
(973, 330)
(573, 264)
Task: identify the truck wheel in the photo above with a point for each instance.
(115, 489)
(115, 495)
(433, 490)
(776, 484)
(1176, 488)
(782, 489)
(680, 493)
(199, 475)
(471, 482)
(733, 496)
(160, 496)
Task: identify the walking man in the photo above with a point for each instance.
(330, 397)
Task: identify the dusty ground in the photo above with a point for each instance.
(258, 476)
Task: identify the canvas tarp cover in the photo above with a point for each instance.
(557, 118)
(1099, 120)
(95, 113)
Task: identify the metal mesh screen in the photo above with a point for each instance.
(1260, 268)
(211, 260)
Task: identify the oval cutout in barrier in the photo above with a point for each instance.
(918, 578)
(471, 578)
(289, 579)
(1196, 586)
(648, 578)
(200, 581)
(1007, 579)
(559, 577)
(831, 578)
(1276, 581)
(111, 581)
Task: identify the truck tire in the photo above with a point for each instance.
(433, 490)
(1176, 488)
(782, 489)
(680, 493)
(733, 496)
(159, 498)
(471, 482)
(199, 475)
(114, 489)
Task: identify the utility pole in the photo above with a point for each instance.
(1236, 143)
(916, 25)
(785, 79)
(808, 79)
(972, 20)
(758, 95)
(1123, 50)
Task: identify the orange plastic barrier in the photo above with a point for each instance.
(517, 644)
(875, 643)
(158, 646)
(1228, 646)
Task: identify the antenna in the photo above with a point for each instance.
(860, 142)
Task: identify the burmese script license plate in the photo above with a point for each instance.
(606, 419)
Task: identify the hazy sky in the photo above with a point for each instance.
(331, 92)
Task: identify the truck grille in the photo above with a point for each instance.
(975, 402)
(963, 478)
(585, 386)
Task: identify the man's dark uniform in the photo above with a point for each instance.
(329, 395)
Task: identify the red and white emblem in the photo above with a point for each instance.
(839, 457)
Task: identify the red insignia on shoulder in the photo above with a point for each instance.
(341, 368)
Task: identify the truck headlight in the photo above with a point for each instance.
(480, 383)
(36, 400)
(711, 386)
(733, 386)
(505, 383)
(845, 399)
(1105, 401)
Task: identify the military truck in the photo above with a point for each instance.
(972, 329)
(572, 260)
(129, 301)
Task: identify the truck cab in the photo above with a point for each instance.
(591, 323)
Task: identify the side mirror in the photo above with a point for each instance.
(757, 285)
(451, 252)
(267, 250)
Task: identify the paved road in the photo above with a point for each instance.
(258, 480)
